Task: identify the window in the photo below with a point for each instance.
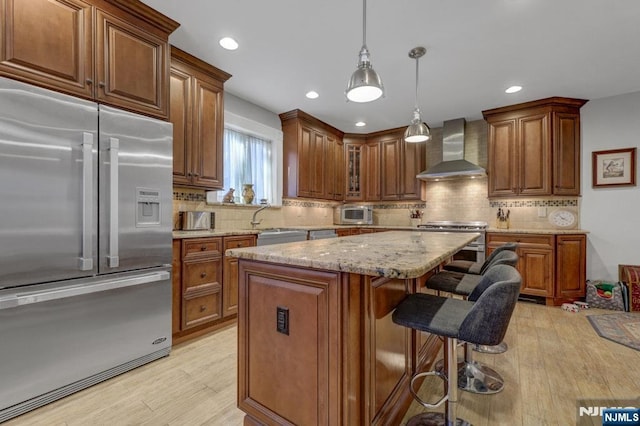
(247, 159)
(246, 143)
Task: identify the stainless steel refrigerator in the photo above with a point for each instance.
(85, 244)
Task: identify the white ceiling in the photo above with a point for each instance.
(475, 49)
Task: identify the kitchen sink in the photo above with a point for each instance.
(280, 235)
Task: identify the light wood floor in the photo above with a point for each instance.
(554, 359)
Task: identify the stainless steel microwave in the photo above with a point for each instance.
(351, 214)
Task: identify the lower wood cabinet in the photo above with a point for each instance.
(552, 266)
(205, 291)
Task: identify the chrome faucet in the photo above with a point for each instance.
(253, 219)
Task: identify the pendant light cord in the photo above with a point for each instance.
(364, 23)
(417, 60)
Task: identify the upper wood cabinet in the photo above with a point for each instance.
(311, 149)
(392, 166)
(197, 114)
(534, 148)
(111, 51)
(354, 151)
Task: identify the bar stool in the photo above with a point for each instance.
(470, 267)
(483, 321)
(474, 376)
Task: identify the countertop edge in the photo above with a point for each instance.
(400, 256)
(536, 231)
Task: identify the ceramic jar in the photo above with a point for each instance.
(247, 193)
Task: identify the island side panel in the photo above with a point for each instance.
(288, 379)
(391, 350)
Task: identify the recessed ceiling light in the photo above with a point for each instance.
(228, 43)
(361, 124)
(513, 89)
(312, 94)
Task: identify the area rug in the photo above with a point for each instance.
(622, 327)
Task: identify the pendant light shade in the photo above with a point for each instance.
(365, 84)
(417, 131)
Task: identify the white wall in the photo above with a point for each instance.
(612, 215)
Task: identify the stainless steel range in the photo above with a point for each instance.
(475, 250)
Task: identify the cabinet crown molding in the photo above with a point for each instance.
(555, 101)
(301, 115)
(200, 65)
(147, 14)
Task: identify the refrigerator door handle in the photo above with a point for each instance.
(113, 260)
(85, 262)
(28, 298)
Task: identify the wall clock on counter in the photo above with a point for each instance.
(564, 219)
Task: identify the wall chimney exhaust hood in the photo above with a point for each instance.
(453, 165)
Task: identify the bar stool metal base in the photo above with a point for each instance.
(434, 419)
(475, 377)
(495, 349)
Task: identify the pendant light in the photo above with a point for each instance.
(417, 131)
(365, 84)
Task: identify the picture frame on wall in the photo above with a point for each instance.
(614, 167)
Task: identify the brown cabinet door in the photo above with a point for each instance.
(131, 66)
(335, 170)
(207, 135)
(390, 168)
(534, 149)
(414, 161)
(316, 163)
(305, 142)
(503, 172)
(536, 265)
(566, 154)
(180, 115)
(372, 171)
(570, 266)
(48, 43)
(230, 274)
(354, 166)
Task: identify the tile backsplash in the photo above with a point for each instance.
(457, 200)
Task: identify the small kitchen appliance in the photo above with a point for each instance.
(353, 215)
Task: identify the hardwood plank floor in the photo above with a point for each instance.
(554, 359)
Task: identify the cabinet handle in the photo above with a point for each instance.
(196, 174)
(203, 274)
(203, 248)
(101, 84)
(203, 308)
(89, 81)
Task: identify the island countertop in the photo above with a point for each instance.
(392, 254)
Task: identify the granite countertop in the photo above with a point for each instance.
(393, 254)
(538, 231)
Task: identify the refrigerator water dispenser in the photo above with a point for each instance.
(148, 207)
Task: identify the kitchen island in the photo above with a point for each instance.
(316, 343)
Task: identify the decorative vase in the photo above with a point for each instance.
(247, 193)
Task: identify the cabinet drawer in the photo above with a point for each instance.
(200, 273)
(237, 242)
(495, 239)
(201, 309)
(198, 247)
